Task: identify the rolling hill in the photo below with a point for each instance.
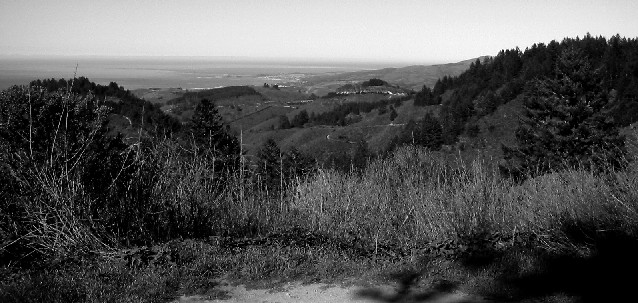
(410, 77)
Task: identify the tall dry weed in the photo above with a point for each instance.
(417, 195)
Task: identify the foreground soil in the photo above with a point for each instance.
(324, 293)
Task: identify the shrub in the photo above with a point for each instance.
(49, 141)
(417, 195)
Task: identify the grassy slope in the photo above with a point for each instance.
(373, 128)
(160, 96)
(411, 77)
(258, 116)
(284, 94)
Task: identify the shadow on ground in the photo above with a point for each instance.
(608, 273)
(440, 291)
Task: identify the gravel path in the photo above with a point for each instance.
(324, 293)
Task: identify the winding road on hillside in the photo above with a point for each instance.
(344, 140)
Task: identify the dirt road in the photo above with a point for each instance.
(324, 293)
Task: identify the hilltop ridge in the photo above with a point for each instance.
(410, 77)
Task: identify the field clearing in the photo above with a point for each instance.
(158, 95)
(282, 94)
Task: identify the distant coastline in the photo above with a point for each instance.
(168, 72)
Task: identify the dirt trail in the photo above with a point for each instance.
(324, 293)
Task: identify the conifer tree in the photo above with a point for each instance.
(429, 133)
(426, 97)
(426, 132)
(212, 137)
(393, 113)
(565, 123)
(270, 165)
(300, 119)
(284, 123)
(361, 156)
(297, 165)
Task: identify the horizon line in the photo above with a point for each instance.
(375, 61)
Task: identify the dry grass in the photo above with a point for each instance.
(417, 195)
(412, 197)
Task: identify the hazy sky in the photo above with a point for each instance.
(416, 31)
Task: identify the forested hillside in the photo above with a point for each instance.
(121, 102)
(497, 80)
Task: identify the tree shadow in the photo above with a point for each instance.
(408, 291)
(608, 274)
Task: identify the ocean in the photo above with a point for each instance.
(166, 72)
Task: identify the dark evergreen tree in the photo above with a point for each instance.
(407, 136)
(472, 130)
(284, 123)
(361, 156)
(426, 97)
(565, 123)
(382, 109)
(374, 82)
(426, 132)
(338, 160)
(270, 165)
(456, 112)
(212, 138)
(429, 132)
(393, 113)
(300, 119)
(486, 103)
(297, 165)
(440, 86)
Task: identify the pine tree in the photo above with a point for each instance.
(426, 132)
(212, 137)
(393, 113)
(426, 97)
(565, 124)
(284, 123)
(270, 165)
(486, 103)
(297, 165)
(300, 119)
(361, 156)
(429, 133)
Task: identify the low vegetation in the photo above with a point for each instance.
(85, 217)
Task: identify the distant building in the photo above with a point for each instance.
(349, 89)
(299, 102)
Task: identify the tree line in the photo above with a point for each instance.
(342, 114)
(494, 81)
(120, 101)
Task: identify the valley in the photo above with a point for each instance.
(257, 117)
(510, 178)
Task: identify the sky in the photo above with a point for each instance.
(411, 31)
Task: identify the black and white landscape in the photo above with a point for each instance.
(318, 151)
